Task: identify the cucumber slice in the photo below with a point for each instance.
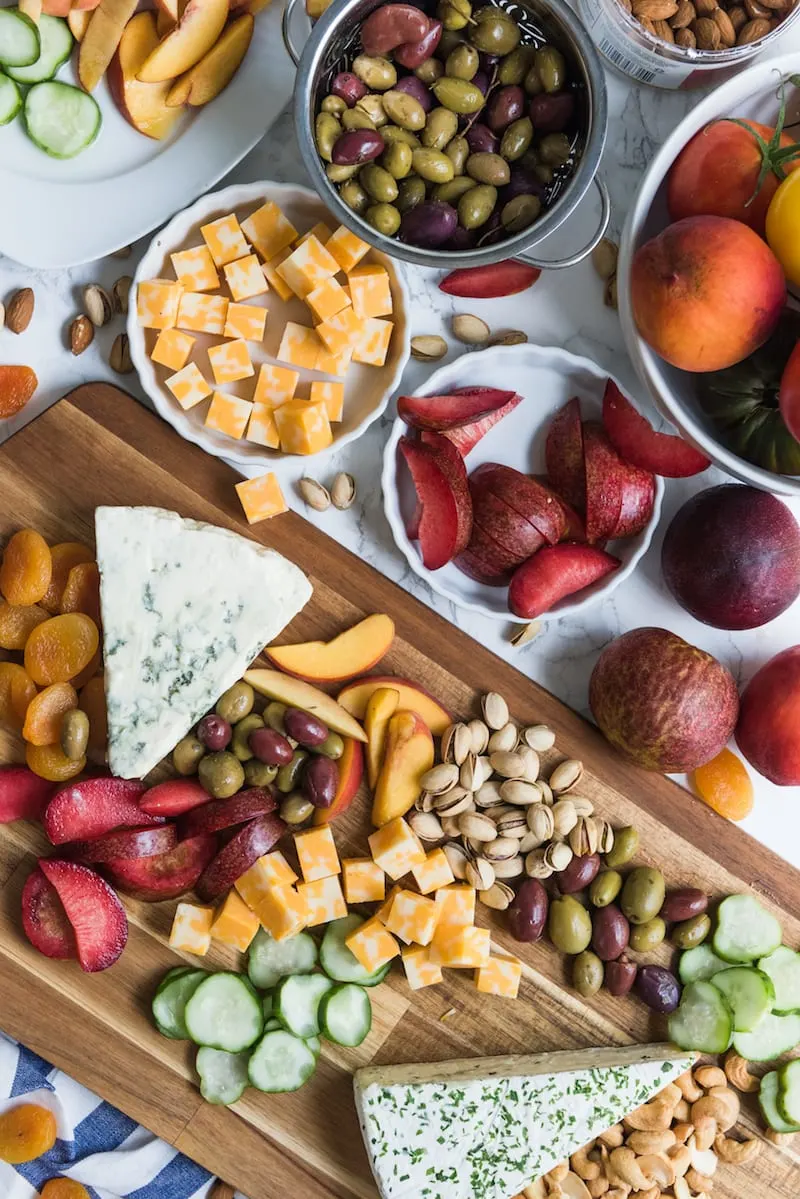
(338, 962)
(314, 1044)
(745, 930)
(225, 1013)
(19, 39)
(775, 1035)
(768, 1102)
(281, 1062)
(272, 1024)
(268, 1004)
(789, 1092)
(223, 1076)
(61, 119)
(56, 44)
(169, 1002)
(345, 1014)
(297, 1001)
(10, 99)
(783, 967)
(269, 961)
(699, 964)
(703, 1019)
(750, 995)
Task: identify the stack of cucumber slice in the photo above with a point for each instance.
(269, 1041)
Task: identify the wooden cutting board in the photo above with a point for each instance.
(98, 446)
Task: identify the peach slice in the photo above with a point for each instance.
(33, 9)
(298, 694)
(164, 23)
(78, 20)
(381, 706)
(142, 104)
(214, 71)
(200, 24)
(351, 772)
(409, 753)
(356, 695)
(101, 40)
(170, 9)
(351, 653)
(85, 5)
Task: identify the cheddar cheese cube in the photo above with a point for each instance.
(230, 361)
(203, 314)
(500, 976)
(327, 299)
(245, 278)
(413, 918)
(331, 396)
(172, 349)
(278, 285)
(344, 331)
(461, 948)
(434, 873)
(346, 248)
(271, 870)
(372, 946)
(457, 906)
(269, 230)
(195, 269)
(372, 345)
(370, 290)
(307, 267)
(261, 498)
(383, 911)
(299, 346)
(316, 851)
(303, 428)
(364, 881)
(396, 848)
(320, 231)
(158, 303)
(333, 364)
(420, 970)
(228, 414)
(262, 428)
(234, 924)
(188, 386)
(276, 385)
(191, 929)
(324, 900)
(245, 321)
(225, 239)
(282, 912)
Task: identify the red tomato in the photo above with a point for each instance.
(717, 172)
(789, 393)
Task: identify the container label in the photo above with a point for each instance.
(622, 52)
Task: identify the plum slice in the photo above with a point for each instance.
(605, 472)
(165, 875)
(173, 797)
(226, 813)
(564, 454)
(95, 806)
(461, 407)
(23, 795)
(530, 499)
(250, 843)
(446, 520)
(44, 920)
(635, 439)
(466, 437)
(638, 497)
(554, 573)
(126, 843)
(93, 909)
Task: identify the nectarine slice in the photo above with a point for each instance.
(142, 104)
(466, 437)
(635, 439)
(214, 71)
(454, 470)
(638, 497)
(355, 697)
(525, 495)
(299, 694)
(381, 706)
(351, 653)
(101, 40)
(554, 573)
(604, 474)
(409, 753)
(78, 20)
(200, 24)
(564, 454)
(460, 407)
(442, 527)
(351, 772)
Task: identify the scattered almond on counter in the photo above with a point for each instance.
(19, 310)
(81, 334)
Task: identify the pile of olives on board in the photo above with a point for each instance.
(282, 747)
(454, 138)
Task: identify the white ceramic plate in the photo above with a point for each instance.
(367, 388)
(547, 377)
(58, 214)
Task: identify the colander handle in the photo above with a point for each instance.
(286, 27)
(579, 255)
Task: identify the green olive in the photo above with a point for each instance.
(626, 845)
(372, 106)
(411, 192)
(532, 83)
(605, 888)
(457, 151)
(289, 775)
(454, 14)
(587, 973)
(383, 217)
(339, 173)
(459, 95)
(433, 165)
(327, 130)
(334, 104)
(520, 212)
(378, 73)
(554, 149)
(396, 159)
(642, 894)
(477, 205)
(551, 68)
(259, 774)
(74, 735)
(451, 192)
(392, 134)
(187, 754)
(354, 196)
(240, 744)
(569, 925)
(648, 936)
(691, 933)
(488, 168)
(331, 747)
(378, 183)
(516, 139)
(515, 66)
(429, 71)
(544, 173)
(404, 110)
(296, 809)
(356, 118)
(494, 31)
(440, 127)
(221, 774)
(236, 703)
(463, 62)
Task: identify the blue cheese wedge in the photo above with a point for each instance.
(486, 1128)
(186, 607)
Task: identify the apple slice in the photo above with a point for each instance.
(462, 407)
(355, 697)
(381, 706)
(226, 813)
(127, 843)
(554, 573)
(173, 798)
(444, 527)
(23, 795)
(198, 28)
(353, 652)
(165, 875)
(535, 502)
(93, 909)
(296, 693)
(635, 439)
(101, 39)
(454, 470)
(44, 920)
(409, 754)
(144, 105)
(466, 437)
(564, 454)
(789, 393)
(87, 809)
(638, 498)
(605, 472)
(351, 772)
(214, 71)
(242, 851)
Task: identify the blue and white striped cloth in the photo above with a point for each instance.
(97, 1145)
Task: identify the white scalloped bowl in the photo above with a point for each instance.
(367, 388)
(547, 377)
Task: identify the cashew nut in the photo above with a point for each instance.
(598, 1187)
(658, 1168)
(680, 1189)
(625, 1166)
(682, 1112)
(535, 1190)
(722, 1104)
(710, 1076)
(738, 1074)
(682, 1132)
(655, 1116)
(653, 1192)
(614, 1137)
(781, 1139)
(688, 1087)
(705, 1130)
(735, 1152)
(558, 1173)
(583, 1166)
(681, 1158)
(704, 1161)
(619, 1192)
(699, 1182)
(651, 1142)
(574, 1187)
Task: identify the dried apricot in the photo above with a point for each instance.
(65, 555)
(43, 719)
(17, 690)
(64, 1188)
(26, 1132)
(26, 569)
(88, 671)
(93, 703)
(17, 622)
(82, 591)
(60, 648)
(17, 385)
(724, 784)
(50, 762)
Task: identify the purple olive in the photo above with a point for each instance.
(683, 903)
(620, 976)
(270, 747)
(413, 54)
(610, 932)
(488, 61)
(304, 728)
(658, 988)
(357, 146)
(320, 781)
(481, 80)
(416, 88)
(580, 872)
(523, 183)
(214, 732)
(481, 140)
(462, 239)
(551, 113)
(505, 106)
(527, 915)
(429, 225)
(349, 87)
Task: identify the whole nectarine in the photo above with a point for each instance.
(768, 732)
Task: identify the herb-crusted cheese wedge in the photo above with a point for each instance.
(485, 1128)
(186, 607)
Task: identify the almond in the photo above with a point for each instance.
(664, 31)
(684, 16)
(705, 7)
(753, 31)
(727, 32)
(707, 33)
(647, 25)
(737, 16)
(686, 39)
(81, 334)
(20, 310)
(655, 10)
(756, 10)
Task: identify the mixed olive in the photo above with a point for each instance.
(453, 139)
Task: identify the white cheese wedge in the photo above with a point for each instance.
(186, 607)
(486, 1128)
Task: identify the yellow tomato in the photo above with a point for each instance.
(783, 227)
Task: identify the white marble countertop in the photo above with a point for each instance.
(565, 309)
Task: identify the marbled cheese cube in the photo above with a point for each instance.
(225, 239)
(158, 303)
(261, 498)
(299, 346)
(307, 267)
(245, 321)
(195, 269)
(372, 346)
(413, 918)
(344, 331)
(203, 314)
(457, 904)
(172, 349)
(372, 946)
(276, 385)
(461, 948)
(269, 230)
(383, 911)
(333, 364)
(370, 290)
(191, 929)
(234, 924)
(434, 873)
(327, 299)
(324, 900)
(320, 231)
(331, 396)
(396, 848)
(245, 278)
(230, 361)
(262, 428)
(278, 285)
(420, 970)
(346, 248)
(302, 427)
(316, 851)
(188, 386)
(271, 870)
(228, 414)
(500, 976)
(364, 881)
(282, 912)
